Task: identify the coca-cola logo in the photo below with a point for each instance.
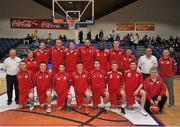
(23, 23)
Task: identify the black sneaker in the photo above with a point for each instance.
(123, 111)
(103, 110)
(9, 102)
(69, 108)
(17, 102)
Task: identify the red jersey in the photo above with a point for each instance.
(103, 57)
(71, 60)
(98, 79)
(62, 82)
(42, 56)
(132, 80)
(25, 80)
(80, 81)
(87, 55)
(167, 67)
(116, 55)
(154, 89)
(31, 64)
(43, 80)
(114, 81)
(126, 62)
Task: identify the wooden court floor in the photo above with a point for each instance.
(169, 117)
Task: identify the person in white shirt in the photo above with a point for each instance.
(11, 66)
(146, 62)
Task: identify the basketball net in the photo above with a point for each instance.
(72, 23)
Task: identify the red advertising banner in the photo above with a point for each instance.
(145, 26)
(35, 24)
(125, 26)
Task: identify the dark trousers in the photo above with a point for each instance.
(12, 81)
(160, 104)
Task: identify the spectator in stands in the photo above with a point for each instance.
(171, 38)
(80, 37)
(11, 66)
(145, 41)
(101, 35)
(155, 90)
(60, 37)
(49, 38)
(35, 36)
(97, 38)
(158, 39)
(28, 39)
(130, 39)
(64, 38)
(136, 40)
(146, 62)
(89, 35)
(168, 68)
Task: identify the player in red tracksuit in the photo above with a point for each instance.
(98, 87)
(133, 81)
(43, 81)
(126, 59)
(116, 53)
(80, 80)
(25, 79)
(168, 68)
(58, 56)
(31, 63)
(87, 54)
(72, 56)
(42, 54)
(155, 90)
(115, 88)
(103, 56)
(62, 86)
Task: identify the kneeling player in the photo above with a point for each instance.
(62, 85)
(44, 86)
(25, 79)
(155, 89)
(80, 81)
(98, 87)
(133, 87)
(116, 91)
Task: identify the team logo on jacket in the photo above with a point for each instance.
(111, 76)
(151, 83)
(28, 62)
(157, 82)
(105, 54)
(98, 54)
(118, 76)
(75, 53)
(76, 76)
(40, 77)
(26, 76)
(124, 59)
(64, 77)
(46, 76)
(89, 51)
(167, 62)
(84, 76)
(34, 62)
(58, 78)
(137, 75)
(19, 76)
(67, 53)
(129, 59)
(129, 75)
(100, 76)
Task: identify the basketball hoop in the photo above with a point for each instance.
(72, 23)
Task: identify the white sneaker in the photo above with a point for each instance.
(143, 112)
(31, 107)
(48, 110)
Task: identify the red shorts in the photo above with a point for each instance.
(96, 96)
(42, 96)
(62, 97)
(80, 97)
(131, 99)
(24, 96)
(114, 95)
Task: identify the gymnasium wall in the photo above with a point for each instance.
(164, 13)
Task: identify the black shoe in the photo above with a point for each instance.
(17, 102)
(103, 110)
(160, 111)
(9, 102)
(69, 109)
(123, 111)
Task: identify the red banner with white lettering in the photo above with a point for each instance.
(125, 26)
(35, 24)
(145, 26)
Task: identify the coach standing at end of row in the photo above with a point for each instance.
(11, 66)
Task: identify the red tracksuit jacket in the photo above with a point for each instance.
(167, 67)
(31, 64)
(103, 57)
(126, 62)
(87, 55)
(41, 56)
(154, 89)
(71, 60)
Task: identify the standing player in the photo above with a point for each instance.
(103, 56)
(87, 54)
(115, 88)
(133, 81)
(126, 59)
(72, 56)
(168, 68)
(57, 55)
(43, 82)
(155, 90)
(81, 81)
(116, 54)
(31, 63)
(98, 87)
(42, 54)
(62, 85)
(26, 93)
